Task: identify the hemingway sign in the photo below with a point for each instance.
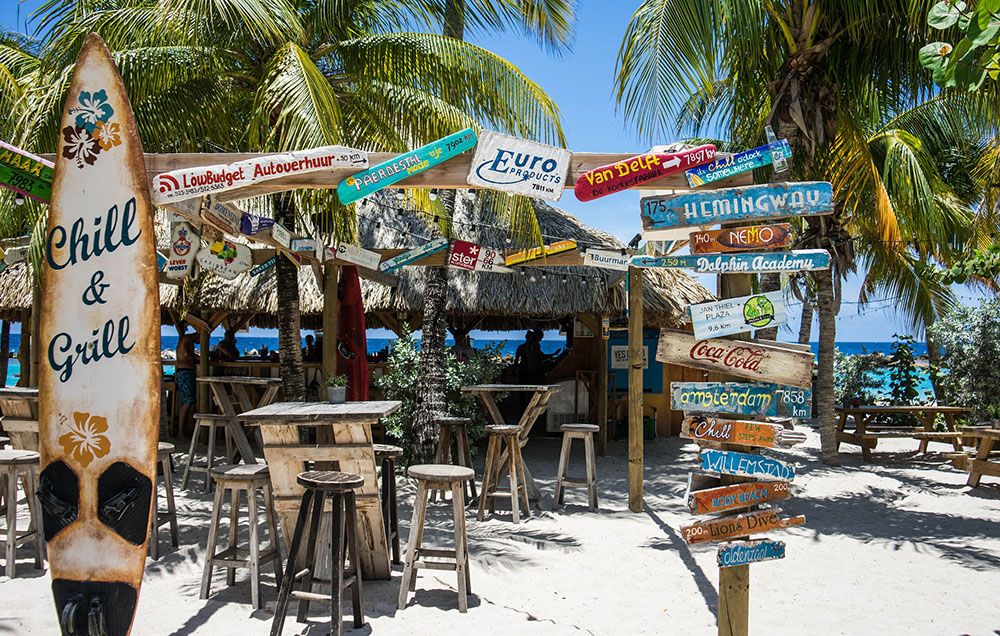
(712, 429)
(616, 177)
(755, 202)
(741, 358)
(765, 400)
(725, 528)
(735, 164)
(741, 239)
(745, 465)
(519, 166)
(746, 552)
(735, 497)
(736, 315)
(745, 263)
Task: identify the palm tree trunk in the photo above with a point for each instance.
(826, 413)
(4, 350)
(293, 379)
(805, 327)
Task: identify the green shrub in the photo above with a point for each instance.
(856, 378)
(970, 341)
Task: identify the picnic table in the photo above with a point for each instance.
(19, 407)
(867, 439)
(539, 401)
(343, 442)
(232, 394)
(981, 464)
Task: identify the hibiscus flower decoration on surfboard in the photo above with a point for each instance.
(93, 130)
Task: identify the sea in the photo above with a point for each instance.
(508, 346)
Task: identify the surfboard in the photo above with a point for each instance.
(352, 344)
(100, 374)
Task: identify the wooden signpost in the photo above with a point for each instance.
(473, 257)
(361, 184)
(735, 496)
(623, 175)
(607, 259)
(745, 465)
(519, 166)
(714, 429)
(743, 359)
(25, 173)
(746, 552)
(223, 216)
(735, 164)
(430, 247)
(746, 203)
(741, 239)
(101, 377)
(737, 315)
(759, 399)
(743, 263)
(723, 528)
(226, 258)
(523, 256)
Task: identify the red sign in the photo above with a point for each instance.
(616, 177)
(472, 257)
(726, 498)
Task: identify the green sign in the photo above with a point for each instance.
(25, 173)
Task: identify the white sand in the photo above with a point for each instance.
(901, 546)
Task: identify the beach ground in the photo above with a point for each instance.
(901, 546)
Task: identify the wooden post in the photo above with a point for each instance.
(331, 308)
(635, 429)
(602, 388)
(24, 350)
(204, 370)
(36, 322)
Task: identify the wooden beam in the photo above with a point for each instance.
(331, 309)
(204, 370)
(635, 397)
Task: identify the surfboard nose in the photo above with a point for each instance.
(94, 608)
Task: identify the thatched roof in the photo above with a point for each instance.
(502, 301)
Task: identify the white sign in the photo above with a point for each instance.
(303, 245)
(226, 258)
(472, 257)
(581, 330)
(516, 165)
(15, 255)
(358, 256)
(184, 245)
(607, 259)
(192, 182)
(736, 315)
(619, 356)
(280, 235)
(224, 216)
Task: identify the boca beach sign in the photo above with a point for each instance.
(735, 497)
(361, 184)
(755, 202)
(519, 166)
(735, 164)
(744, 263)
(761, 399)
(737, 315)
(713, 429)
(741, 239)
(632, 172)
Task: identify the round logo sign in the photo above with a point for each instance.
(758, 311)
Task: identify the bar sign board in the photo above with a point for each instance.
(736, 315)
(746, 552)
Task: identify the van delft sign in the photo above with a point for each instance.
(616, 177)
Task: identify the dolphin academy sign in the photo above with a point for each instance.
(519, 166)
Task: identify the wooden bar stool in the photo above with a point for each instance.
(4, 443)
(500, 436)
(457, 429)
(20, 465)
(583, 432)
(164, 455)
(386, 455)
(237, 478)
(431, 477)
(205, 422)
(339, 487)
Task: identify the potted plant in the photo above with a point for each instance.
(336, 389)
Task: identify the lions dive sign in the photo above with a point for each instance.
(744, 263)
(519, 166)
(629, 173)
(736, 315)
(763, 399)
(725, 528)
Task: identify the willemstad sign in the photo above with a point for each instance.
(745, 465)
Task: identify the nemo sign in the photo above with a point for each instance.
(738, 239)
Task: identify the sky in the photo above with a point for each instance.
(581, 81)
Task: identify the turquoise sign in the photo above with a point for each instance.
(745, 465)
(361, 184)
(741, 398)
(756, 202)
(745, 161)
(744, 263)
(746, 552)
(417, 253)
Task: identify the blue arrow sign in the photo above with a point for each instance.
(757, 202)
(745, 552)
(745, 263)
(745, 465)
(431, 247)
(735, 164)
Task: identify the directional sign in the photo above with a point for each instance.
(745, 465)
(226, 258)
(755, 202)
(281, 235)
(358, 256)
(519, 166)
(741, 239)
(25, 173)
(713, 429)
(745, 161)
(746, 552)
(724, 528)
(745, 263)
(417, 253)
(737, 315)
(223, 216)
(260, 268)
(472, 257)
(15, 255)
(616, 177)
(303, 244)
(607, 259)
(740, 358)
(735, 497)
(763, 399)
(538, 252)
(361, 184)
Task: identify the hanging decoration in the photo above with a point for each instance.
(184, 246)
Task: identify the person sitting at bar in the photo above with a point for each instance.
(227, 351)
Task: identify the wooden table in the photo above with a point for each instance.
(232, 395)
(867, 440)
(982, 465)
(540, 395)
(343, 442)
(19, 407)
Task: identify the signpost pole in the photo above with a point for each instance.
(602, 387)
(635, 372)
(204, 370)
(331, 307)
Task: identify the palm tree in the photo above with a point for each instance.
(274, 75)
(823, 74)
